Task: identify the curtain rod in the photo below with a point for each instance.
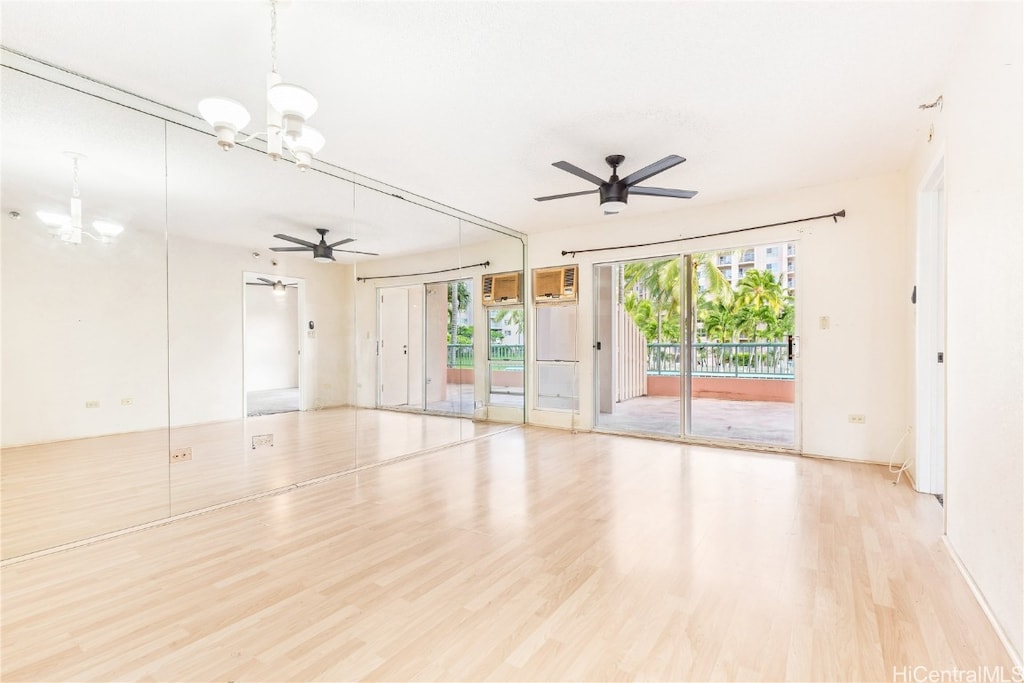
(484, 264)
(834, 216)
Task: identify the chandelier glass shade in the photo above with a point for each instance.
(68, 227)
(289, 106)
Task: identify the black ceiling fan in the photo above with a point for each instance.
(278, 286)
(322, 252)
(615, 191)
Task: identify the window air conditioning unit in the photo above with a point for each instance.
(502, 288)
(554, 284)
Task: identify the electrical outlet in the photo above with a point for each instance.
(92, 404)
(127, 401)
(181, 454)
(261, 440)
(857, 419)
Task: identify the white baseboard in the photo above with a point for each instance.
(1003, 636)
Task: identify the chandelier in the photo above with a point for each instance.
(289, 106)
(68, 227)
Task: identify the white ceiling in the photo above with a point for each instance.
(469, 103)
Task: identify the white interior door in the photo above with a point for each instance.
(393, 318)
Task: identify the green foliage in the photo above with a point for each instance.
(647, 319)
(656, 287)
(756, 310)
(511, 318)
(463, 335)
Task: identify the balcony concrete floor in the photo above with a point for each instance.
(761, 422)
(756, 422)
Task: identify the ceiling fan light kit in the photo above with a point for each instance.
(289, 106)
(614, 192)
(278, 287)
(322, 252)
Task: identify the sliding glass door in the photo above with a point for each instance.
(740, 346)
(700, 345)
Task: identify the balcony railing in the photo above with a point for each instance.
(759, 360)
(461, 355)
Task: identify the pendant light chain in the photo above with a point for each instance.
(273, 36)
(288, 107)
(74, 177)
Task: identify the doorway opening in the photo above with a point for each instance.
(639, 304)
(699, 345)
(272, 342)
(426, 347)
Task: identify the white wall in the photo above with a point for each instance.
(850, 271)
(82, 323)
(205, 306)
(90, 323)
(979, 133)
(271, 338)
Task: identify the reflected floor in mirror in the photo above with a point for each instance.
(270, 401)
(532, 554)
(61, 492)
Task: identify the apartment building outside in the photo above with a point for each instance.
(778, 259)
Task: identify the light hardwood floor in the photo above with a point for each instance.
(531, 554)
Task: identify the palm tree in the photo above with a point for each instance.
(759, 288)
(458, 300)
(704, 265)
(719, 320)
(511, 318)
(785, 323)
(658, 283)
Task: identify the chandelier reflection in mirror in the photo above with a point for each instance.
(68, 227)
(289, 106)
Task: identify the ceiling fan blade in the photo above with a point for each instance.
(257, 284)
(296, 240)
(655, 168)
(662, 192)
(364, 253)
(577, 171)
(560, 196)
(290, 249)
(345, 241)
(265, 280)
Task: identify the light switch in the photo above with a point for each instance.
(823, 322)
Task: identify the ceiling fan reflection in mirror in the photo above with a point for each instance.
(322, 252)
(278, 286)
(615, 191)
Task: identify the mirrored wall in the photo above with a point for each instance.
(199, 355)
